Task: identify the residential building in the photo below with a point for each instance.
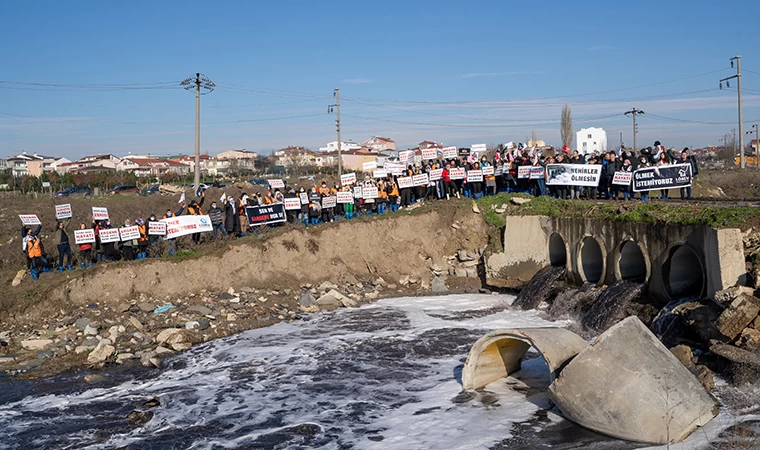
(206, 162)
(428, 144)
(44, 164)
(379, 144)
(294, 156)
(4, 165)
(145, 167)
(344, 146)
(591, 140)
(240, 159)
(536, 143)
(755, 144)
(20, 164)
(355, 159)
(94, 162)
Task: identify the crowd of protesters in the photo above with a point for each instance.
(228, 215)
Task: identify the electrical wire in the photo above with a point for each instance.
(699, 122)
(507, 124)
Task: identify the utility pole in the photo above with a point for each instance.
(634, 112)
(198, 82)
(336, 94)
(738, 77)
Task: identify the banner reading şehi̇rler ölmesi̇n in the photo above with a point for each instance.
(662, 177)
(573, 174)
(265, 214)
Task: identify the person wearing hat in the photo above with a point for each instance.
(142, 241)
(231, 222)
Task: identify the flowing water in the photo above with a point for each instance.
(610, 307)
(539, 288)
(384, 376)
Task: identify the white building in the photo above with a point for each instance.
(591, 140)
(333, 146)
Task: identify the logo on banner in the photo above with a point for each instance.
(84, 236)
(29, 219)
(62, 211)
(347, 179)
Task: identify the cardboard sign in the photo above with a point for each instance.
(420, 179)
(499, 171)
(62, 211)
(663, 177)
(622, 178)
(449, 152)
(488, 170)
(523, 172)
(380, 173)
(46, 184)
(129, 233)
(456, 173)
(573, 174)
(394, 168)
(369, 192)
(369, 166)
(156, 228)
(29, 219)
(265, 214)
(292, 204)
(344, 197)
(183, 225)
(99, 213)
(304, 198)
(478, 148)
(406, 156)
(329, 202)
(405, 182)
(357, 192)
(277, 184)
(474, 176)
(436, 174)
(429, 153)
(347, 179)
(84, 236)
(109, 235)
(536, 173)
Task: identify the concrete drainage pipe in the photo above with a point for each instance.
(591, 260)
(683, 273)
(632, 263)
(557, 251)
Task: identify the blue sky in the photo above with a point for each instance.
(453, 72)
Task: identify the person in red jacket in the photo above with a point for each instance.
(85, 251)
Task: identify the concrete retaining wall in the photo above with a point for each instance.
(674, 261)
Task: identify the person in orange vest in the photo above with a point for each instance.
(34, 252)
(194, 209)
(142, 241)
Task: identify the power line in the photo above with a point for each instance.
(507, 124)
(674, 119)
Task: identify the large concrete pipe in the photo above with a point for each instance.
(683, 273)
(632, 262)
(557, 251)
(591, 260)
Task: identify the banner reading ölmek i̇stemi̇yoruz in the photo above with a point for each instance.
(573, 175)
(262, 215)
(663, 177)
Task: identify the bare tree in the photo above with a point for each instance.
(566, 127)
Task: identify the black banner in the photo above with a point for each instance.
(663, 177)
(265, 214)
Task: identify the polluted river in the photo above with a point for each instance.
(383, 376)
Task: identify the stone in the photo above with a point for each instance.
(372, 295)
(94, 378)
(306, 300)
(204, 324)
(742, 311)
(464, 256)
(121, 358)
(705, 376)
(350, 279)
(460, 272)
(91, 329)
(231, 317)
(629, 385)
(749, 339)
(745, 365)
(18, 278)
(475, 208)
(472, 272)
(83, 349)
(140, 417)
(231, 291)
(326, 286)
(36, 344)
(200, 309)
(192, 325)
(123, 307)
(472, 263)
(684, 355)
(136, 323)
(519, 200)
(701, 320)
(438, 285)
(403, 281)
(172, 336)
(161, 351)
(146, 307)
(379, 281)
(329, 302)
(115, 331)
(81, 323)
(726, 296)
(101, 352)
(182, 346)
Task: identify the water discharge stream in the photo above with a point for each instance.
(383, 376)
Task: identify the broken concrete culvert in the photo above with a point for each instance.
(627, 384)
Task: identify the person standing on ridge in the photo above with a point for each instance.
(62, 242)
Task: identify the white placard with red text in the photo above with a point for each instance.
(536, 172)
(276, 184)
(380, 173)
(474, 176)
(292, 204)
(347, 179)
(436, 174)
(449, 152)
(456, 173)
(405, 182)
(406, 156)
(99, 213)
(29, 219)
(622, 178)
(369, 192)
(523, 172)
(184, 225)
(156, 228)
(109, 235)
(63, 211)
(344, 197)
(420, 179)
(478, 148)
(329, 202)
(84, 236)
(369, 166)
(129, 233)
(429, 153)
(488, 170)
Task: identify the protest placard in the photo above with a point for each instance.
(99, 213)
(406, 156)
(347, 179)
(276, 183)
(405, 182)
(129, 233)
(380, 173)
(156, 228)
(109, 235)
(357, 192)
(429, 153)
(573, 174)
(345, 197)
(329, 202)
(478, 148)
(292, 204)
(488, 170)
(436, 174)
(369, 192)
(369, 166)
(84, 236)
(63, 211)
(456, 173)
(622, 178)
(29, 219)
(183, 225)
(523, 172)
(499, 171)
(474, 176)
(663, 177)
(304, 198)
(536, 173)
(449, 152)
(420, 179)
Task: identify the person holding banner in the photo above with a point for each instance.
(662, 162)
(685, 158)
(215, 215)
(391, 188)
(26, 236)
(152, 238)
(128, 246)
(36, 256)
(85, 251)
(627, 189)
(142, 241)
(194, 209)
(449, 187)
(231, 222)
(62, 243)
(315, 206)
